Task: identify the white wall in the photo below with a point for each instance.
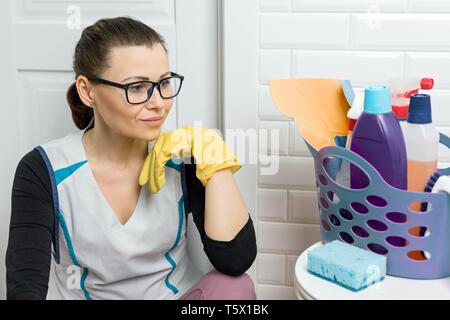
(361, 40)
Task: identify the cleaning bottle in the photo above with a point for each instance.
(422, 143)
(378, 138)
(402, 89)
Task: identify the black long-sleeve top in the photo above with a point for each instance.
(32, 230)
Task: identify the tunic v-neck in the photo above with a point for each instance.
(102, 195)
(144, 258)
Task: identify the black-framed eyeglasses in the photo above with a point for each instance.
(141, 91)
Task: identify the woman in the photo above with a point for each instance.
(113, 238)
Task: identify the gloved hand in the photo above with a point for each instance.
(210, 152)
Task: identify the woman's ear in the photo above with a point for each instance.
(85, 91)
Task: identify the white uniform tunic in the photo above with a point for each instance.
(98, 257)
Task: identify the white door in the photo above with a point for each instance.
(37, 42)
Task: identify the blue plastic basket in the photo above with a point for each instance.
(378, 217)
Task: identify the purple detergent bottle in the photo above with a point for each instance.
(378, 138)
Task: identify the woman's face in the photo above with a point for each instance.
(131, 64)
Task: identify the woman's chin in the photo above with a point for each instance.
(151, 134)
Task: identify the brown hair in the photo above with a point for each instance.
(92, 53)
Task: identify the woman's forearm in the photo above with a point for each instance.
(225, 209)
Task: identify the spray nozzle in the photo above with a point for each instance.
(402, 89)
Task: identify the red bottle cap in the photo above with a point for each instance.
(427, 83)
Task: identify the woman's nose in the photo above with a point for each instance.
(155, 100)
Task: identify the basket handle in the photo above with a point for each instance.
(342, 153)
(372, 173)
(444, 140)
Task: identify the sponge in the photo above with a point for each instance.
(347, 265)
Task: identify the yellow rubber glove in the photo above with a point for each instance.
(210, 152)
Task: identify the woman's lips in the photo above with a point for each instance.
(154, 121)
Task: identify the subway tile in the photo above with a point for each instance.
(287, 172)
(362, 68)
(304, 30)
(297, 146)
(440, 101)
(272, 292)
(272, 205)
(287, 238)
(400, 31)
(274, 64)
(350, 5)
(273, 137)
(430, 64)
(271, 269)
(303, 207)
(274, 5)
(436, 6)
(290, 269)
(267, 108)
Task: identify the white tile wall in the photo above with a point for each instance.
(269, 70)
(398, 31)
(349, 5)
(294, 172)
(302, 30)
(267, 109)
(290, 267)
(362, 67)
(431, 6)
(434, 64)
(303, 207)
(278, 130)
(272, 205)
(287, 238)
(297, 146)
(275, 5)
(366, 41)
(273, 292)
(272, 269)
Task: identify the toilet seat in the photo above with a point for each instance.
(310, 287)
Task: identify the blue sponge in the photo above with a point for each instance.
(347, 265)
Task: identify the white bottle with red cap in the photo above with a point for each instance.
(402, 89)
(422, 142)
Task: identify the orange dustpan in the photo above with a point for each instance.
(319, 107)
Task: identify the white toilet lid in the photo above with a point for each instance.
(391, 288)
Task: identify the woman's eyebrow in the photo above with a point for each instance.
(165, 74)
(146, 78)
